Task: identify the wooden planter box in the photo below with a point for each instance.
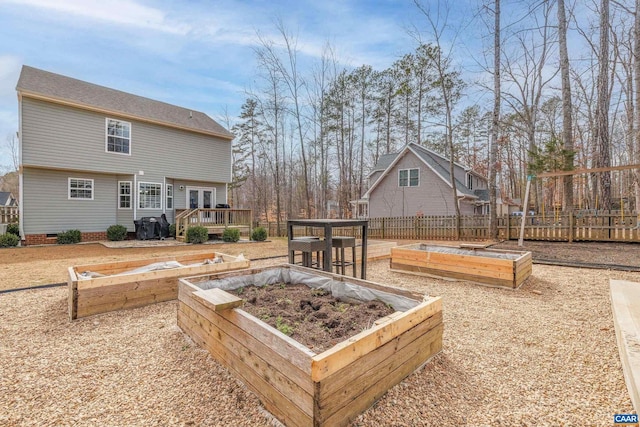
(298, 386)
(116, 291)
(493, 267)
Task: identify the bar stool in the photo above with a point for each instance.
(307, 246)
(340, 243)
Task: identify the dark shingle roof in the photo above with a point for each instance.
(482, 194)
(58, 87)
(6, 198)
(384, 161)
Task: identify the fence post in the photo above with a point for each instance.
(382, 228)
(507, 228)
(571, 227)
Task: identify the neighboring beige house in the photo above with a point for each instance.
(91, 157)
(416, 181)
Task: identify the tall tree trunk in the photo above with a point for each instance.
(495, 127)
(636, 65)
(601, 134)
(567, 122)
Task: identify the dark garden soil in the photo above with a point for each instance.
(310, 316)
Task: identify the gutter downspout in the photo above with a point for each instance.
(20, 173)
(134, 192)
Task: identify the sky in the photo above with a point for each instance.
(197, 54)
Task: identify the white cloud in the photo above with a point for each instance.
(120, 12)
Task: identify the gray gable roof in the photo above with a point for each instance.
(384, 161)
(6, 198)
(36, 82)
(440, 165)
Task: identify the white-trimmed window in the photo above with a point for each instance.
(118, 137)
(469, 181)
(149, 195)
(124, 195)
(408, 177)
(80, 189)
(169, 196)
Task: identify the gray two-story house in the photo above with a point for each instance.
(92, 157)
(415, 181)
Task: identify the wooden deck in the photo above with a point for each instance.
(214, 220)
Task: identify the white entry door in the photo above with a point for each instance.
(201, 197)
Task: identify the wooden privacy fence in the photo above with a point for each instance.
(8, 214)
(600, 226)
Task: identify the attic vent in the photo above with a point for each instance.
(190, 114)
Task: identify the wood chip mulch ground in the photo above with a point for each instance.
(545, 354)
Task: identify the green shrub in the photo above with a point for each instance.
(259, 234)
(9, 240)
(172, 230)
(69, 237)
(231, 235)
(197, 234)
(13, 229)
(116, 233)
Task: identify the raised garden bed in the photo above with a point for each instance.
(101, 288)
(297, 385)
(495, 267)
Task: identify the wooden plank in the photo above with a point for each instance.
(523, 261)
(522, 275)
(448, 275)
(236, 354)
(473, 246)
(587, 170)
(369, 396)
(119, 291)
(377, 359)
(388, 318)
(344, 353)
(194, 258)
(279, 405)
(131, 299)
(456, 270)
(72, 283)
(160, 274)
(218, 300)
(121, 265)
(478, 261)
(151, 293)
(625, 305)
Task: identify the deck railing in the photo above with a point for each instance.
(8, 214)
(212, 219)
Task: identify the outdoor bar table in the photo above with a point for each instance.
(328, 225)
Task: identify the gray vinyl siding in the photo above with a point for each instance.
(431, 197)
(48, 209)
(63, 137)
